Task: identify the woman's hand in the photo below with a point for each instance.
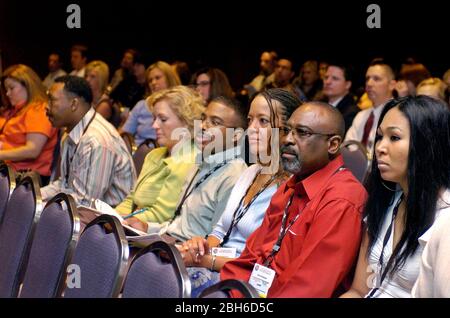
(196, 247)
(136, 223)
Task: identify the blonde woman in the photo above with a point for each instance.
(156, 193)
(27, 138)
(97, 75)
(159, 76)
(433, 87)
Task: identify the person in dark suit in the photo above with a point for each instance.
(336, 88)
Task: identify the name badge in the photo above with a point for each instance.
(262, 278)
(228, 252)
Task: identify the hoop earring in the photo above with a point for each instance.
(384, 185)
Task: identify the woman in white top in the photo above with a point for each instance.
(409, 182)
(250, 196)
(434, 276)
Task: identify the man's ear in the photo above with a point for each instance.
(334, 143)
(237, 135)
(74, 104)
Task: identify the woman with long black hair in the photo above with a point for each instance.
(408, 190)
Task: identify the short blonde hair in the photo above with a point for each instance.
(103, 72)
(437, 83)
(184, 101)
(29, 79)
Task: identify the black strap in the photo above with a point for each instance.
(187, 193)
(284, 229)
(241, 210)
(385, 242)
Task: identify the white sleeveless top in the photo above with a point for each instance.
(402, 282)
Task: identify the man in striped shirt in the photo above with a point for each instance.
(95, 163)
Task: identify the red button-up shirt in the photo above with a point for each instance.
(319, 251)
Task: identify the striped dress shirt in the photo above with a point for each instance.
(99, 168)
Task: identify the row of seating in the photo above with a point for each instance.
(47, 252)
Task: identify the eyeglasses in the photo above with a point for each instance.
(302, 133)
(202, 84)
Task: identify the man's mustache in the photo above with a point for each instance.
(288, 150)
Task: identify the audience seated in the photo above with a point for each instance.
(159, 76)
(433, 87)
(411, 74)
(380, 84)
(250, 196)
(309, 81)
(336, 89)
(211, 83)
(266, 76)
(133, 88)
(165, 169)
(97, 75)
(208, 186)
(308, 241)
(283, 75)
(27, 138)
(408, 190)
(95, 162)
(125, 71)
(54, 68)
(78, 59)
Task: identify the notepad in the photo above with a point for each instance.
(87, 214)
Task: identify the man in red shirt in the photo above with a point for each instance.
(309, 240)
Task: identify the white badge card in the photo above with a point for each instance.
(228, 252)
(262, 278)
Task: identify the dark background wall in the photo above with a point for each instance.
(228, 34)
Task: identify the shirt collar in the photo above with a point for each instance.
(218, 158)
(77, 132)
(337, 101)
(377, 110)
(315, 182)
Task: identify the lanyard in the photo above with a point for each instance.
(385, 242)
(69, 160)
(241, 210)
(284, 229)
(187, 193)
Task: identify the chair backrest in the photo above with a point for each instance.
(141, 152)
(7, 186)
(221, 289)
(129, 142)
(356, 159)
(100, 259)
(157, 271)
(54, 242)
(22, 214)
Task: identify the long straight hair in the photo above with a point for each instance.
(428, 173)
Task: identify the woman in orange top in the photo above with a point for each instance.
(27, 138)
